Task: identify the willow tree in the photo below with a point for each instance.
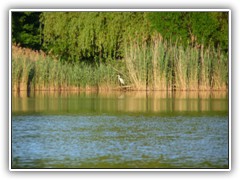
(92, 36)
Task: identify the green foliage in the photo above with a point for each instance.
(155, 50)
(100, 36)
(26, 29)
(92, 36)
(172, 25)
(192, 28)
(220, 37)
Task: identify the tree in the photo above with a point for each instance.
(92, 36)
(192, 28)
(26, 29)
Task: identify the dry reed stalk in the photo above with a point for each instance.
(154, 63)
(27, 53)
(158, 66)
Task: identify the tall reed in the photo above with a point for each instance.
(166, 66)
(158, 65)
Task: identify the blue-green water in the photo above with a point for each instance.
(49, 131)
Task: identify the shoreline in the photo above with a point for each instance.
(118, 90)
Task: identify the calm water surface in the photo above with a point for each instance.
(120, 130)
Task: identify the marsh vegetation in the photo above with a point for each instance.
(150, 50)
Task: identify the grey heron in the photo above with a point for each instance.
(121, 80)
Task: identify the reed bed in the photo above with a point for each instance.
(158, 65)
(164, 66)
(37, 71)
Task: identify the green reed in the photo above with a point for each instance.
(158, 65)
(166, 66)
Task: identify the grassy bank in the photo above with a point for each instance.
(158, 66)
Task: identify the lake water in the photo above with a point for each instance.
(120, 130)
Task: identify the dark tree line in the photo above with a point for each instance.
(26, 29)
(103, 36)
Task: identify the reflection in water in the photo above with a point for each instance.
(120, 130)
(120, 102)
